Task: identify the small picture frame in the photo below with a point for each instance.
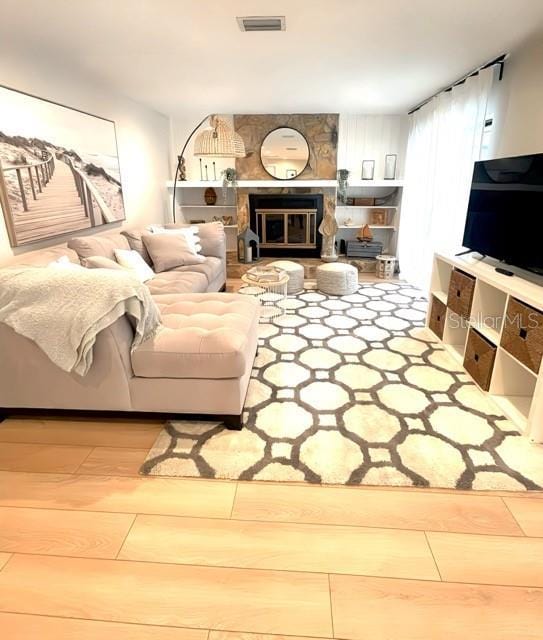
(390, 166)
(291, 173)
(378, 217)
(368, 168)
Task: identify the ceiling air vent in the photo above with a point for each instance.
(262, 23)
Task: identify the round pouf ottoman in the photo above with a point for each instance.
(295, 274)
(337, 278)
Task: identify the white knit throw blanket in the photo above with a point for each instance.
(62, 309)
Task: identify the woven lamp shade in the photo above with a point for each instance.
(220, 141)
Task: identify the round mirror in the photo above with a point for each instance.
(284, 153)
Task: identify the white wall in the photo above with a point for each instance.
(142, 135)
(516, 104)
(371, 137)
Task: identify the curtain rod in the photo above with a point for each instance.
(499, 60)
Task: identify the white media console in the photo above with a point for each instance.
(493, 325)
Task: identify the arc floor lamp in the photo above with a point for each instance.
(219, 140)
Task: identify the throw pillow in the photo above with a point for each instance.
(99, 262)
(65, 263)
(168, 251)
(134, 237)
(211, 236)
(133, 261)
(190, 233)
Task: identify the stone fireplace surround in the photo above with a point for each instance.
(321, 133)
(327, 197)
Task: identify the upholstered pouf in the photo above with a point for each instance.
(295, 274)
(337, 278)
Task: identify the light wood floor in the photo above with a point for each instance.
(89, 549)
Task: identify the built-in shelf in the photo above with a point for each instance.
(375, 183)
(371, 226)
(208, 206)
(291, 184)
(355, 206)
(358, 215)
(195, 184)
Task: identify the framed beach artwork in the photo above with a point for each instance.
(59, 169)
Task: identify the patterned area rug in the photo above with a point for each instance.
(354, 390)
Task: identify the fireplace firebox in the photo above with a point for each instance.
(287, 224)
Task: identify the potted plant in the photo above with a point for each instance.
(229, 179)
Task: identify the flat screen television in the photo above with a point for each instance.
(505, 211)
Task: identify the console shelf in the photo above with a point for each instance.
(515, 388)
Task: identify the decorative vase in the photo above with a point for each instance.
(328, 251)
(210, 196)
(229, 179)
(342, 184)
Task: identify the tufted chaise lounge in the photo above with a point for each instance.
(200, 361)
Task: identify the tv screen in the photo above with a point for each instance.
(505, 211)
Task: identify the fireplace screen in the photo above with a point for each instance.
(286, 227)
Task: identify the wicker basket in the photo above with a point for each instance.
(479, 359)
(460, 296)
(438, 313)
(522, 334)
(385, 267)
(337, 279)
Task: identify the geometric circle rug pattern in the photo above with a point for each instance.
(355, 390)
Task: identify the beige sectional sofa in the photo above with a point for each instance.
(200, 361)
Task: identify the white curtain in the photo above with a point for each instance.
(444, 140)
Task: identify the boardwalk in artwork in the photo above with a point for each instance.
(56, 210)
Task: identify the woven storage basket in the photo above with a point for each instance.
(522, 334)
(438, 313)
(460, 296)
(479, 358)
(295, 274)
(385, 267)
(337, 279)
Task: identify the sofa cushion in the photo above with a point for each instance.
(135, 240)
(104, 245)
(211, 268)
(212, 237)
(190, 233)
(168, 251)
(133, 261)
(202, 336)
(99, 262)
(176, 282)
